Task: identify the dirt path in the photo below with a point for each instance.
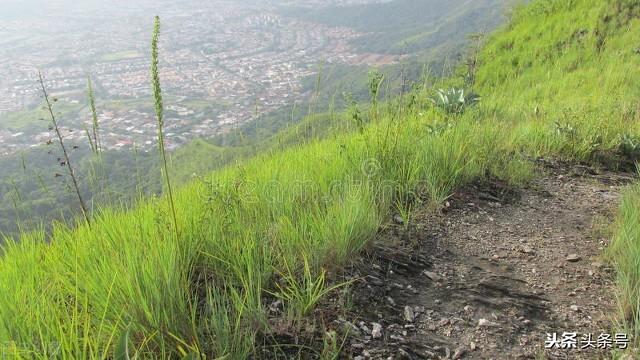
(490, 277)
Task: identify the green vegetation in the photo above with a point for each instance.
(65, 161)
(568, 63)
(625, 253)
(273, 226)
(313, 206)
(30, 119)
(127, 104)
(401, 30)
(565, 72)
(455, 101)
(159, 107)
(94, 139)
(199, 157)
(34, 189)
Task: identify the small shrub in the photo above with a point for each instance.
(354, 111)
(455, 101)
(566, 129)
(301, 294)
(629, 146)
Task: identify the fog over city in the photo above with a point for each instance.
(223, 62)
(234, 75)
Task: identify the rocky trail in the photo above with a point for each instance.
(490, 276)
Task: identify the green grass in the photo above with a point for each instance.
(240, 230)
(276, 224)
(548, 58)
(625, 254)
(31, 119)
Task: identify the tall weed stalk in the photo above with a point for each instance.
(159, 107)
(67, 162)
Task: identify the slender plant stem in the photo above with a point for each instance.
(94, 116)
(91, 144)
(64, 149)
(157, 94)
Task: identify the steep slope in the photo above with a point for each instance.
(52, 201)
(257, 243)
(567, 67)
(493, 274)
(410, 26)
(560, 78)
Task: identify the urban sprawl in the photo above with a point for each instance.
(222, 66)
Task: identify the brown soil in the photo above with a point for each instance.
(491, 275)
(486, 278)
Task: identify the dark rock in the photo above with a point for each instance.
(433, 276)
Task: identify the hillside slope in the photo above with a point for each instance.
(410, 26)
(489, 277)
(556, 82)
(53, 202)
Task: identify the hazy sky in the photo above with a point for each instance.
(19, 9)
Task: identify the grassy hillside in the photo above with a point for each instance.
(412, 26)
(567, 67)
(35, 189)
(562, 75)
(555, 82)
(39, 205)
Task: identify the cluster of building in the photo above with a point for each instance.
(221, 67)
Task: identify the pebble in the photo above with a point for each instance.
(486, 323)
(276, 306)
(528, 250)
(459, 353)
(431, 275)
(374, 280)
(391, 301)
(409, 314)
(573, 258)
(402, 354)
(377, 330)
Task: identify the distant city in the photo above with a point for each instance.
(223, 64)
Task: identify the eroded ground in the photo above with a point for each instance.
(488, 277)
(492, 275)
